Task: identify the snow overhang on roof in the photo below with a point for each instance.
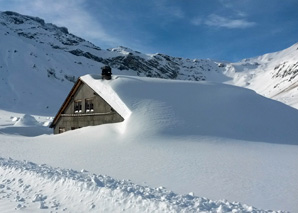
(103, 88)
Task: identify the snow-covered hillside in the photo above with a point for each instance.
(220, 142)
(274, 75)
(35, 51)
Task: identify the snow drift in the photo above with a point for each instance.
(34, 187)
(180, 108)
(201, 137)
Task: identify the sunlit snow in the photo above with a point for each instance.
(184, 146)
(214, 140)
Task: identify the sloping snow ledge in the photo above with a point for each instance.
(103, 88)
(31, 187)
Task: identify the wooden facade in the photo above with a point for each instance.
(83, 107)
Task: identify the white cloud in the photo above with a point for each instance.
(68, 13)
(241, 13)
(219, 21)
(197, 21)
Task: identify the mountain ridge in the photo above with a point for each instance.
(52, 55)
(273, 75)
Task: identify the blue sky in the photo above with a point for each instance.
(217, 29)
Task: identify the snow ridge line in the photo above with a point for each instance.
(154, 198)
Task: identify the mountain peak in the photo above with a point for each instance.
(30, 47)
(15, 18)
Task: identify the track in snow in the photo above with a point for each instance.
(31, 187)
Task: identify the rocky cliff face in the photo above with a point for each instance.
(35, 30)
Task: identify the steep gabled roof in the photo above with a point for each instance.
(103, 89)
(100, 87)
(65, 103)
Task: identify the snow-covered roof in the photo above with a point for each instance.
(102, 87)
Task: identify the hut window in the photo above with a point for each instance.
(89, 105)
(61, 129)
(78, 106)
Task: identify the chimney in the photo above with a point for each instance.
(106, 73)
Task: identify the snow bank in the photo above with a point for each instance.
(24, 125)
(27, 120)
(182, 108)
(29, 186)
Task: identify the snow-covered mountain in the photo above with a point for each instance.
(51, 57)
(274, 75)
(33, 50)
(48, 38)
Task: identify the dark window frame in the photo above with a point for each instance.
(89, 106)
(78, 106)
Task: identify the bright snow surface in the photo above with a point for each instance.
(273, 75)
(215, 140)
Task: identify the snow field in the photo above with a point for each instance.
(30, 187)
(216, 140)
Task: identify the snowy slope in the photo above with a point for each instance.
(220, 142)
(35, 51)
(274, 75)
(52, 58)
